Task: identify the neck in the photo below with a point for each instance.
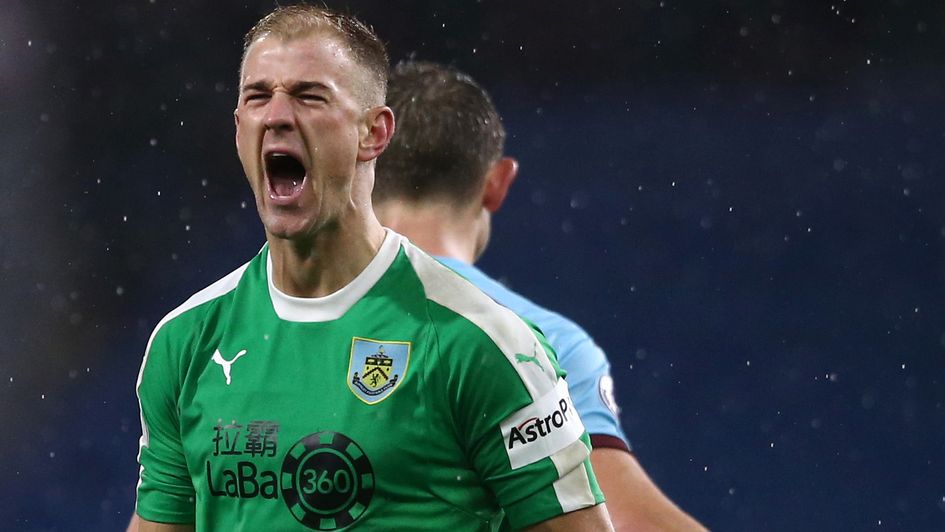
(436, 228)
(326, 262)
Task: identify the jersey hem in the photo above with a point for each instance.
(166, 517)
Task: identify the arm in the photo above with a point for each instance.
(514, 416)
(165, 492)
(634, 501)
(593, 519)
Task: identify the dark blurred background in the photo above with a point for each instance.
(742, 201)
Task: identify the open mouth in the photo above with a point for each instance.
(285, 174)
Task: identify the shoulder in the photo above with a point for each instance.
(464, 314)
(565, 336)
(181, 319)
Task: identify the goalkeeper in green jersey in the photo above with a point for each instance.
(342, 379)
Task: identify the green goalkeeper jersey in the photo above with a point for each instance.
(408, 400)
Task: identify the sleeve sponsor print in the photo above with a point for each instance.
(543, 428)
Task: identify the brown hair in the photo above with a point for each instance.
(366, 48)
(448, 135)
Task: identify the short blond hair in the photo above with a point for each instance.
(288, 22)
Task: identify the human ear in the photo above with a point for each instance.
(378, 130)
(498, 180)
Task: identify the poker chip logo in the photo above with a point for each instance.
(327, 481)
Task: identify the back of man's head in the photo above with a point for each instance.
(448, 135)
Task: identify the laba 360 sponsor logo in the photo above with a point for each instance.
(542, 428)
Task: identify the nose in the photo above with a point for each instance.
(279, 112)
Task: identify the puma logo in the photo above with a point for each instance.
(226, 364)
(526, 358)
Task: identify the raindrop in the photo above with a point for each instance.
(580, 199)
(153, 142)
(119, 290)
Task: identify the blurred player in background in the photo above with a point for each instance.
(438, 183)
(343, 378)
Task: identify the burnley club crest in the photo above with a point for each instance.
(376, 368)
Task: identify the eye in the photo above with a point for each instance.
(255, 96)
(311, 97)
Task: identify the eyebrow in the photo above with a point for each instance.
(294, 88)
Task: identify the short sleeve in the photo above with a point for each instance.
(165, 491)
(524, 435)
(592, 389)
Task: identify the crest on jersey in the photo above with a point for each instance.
(376, 368)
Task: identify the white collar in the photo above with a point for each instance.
(334, 305)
